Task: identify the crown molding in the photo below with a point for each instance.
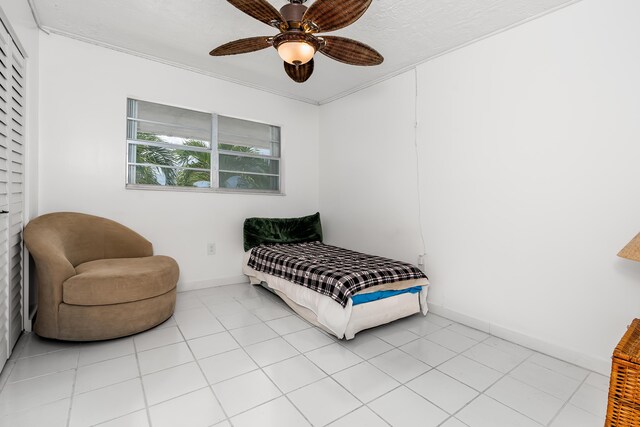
(36, 16)
(438, 55)
(176, 65)
(324, 101)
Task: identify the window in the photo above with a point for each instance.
(174, 147)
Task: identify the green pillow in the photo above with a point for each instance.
(259, 231)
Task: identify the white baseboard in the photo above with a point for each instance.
(602, 366)
(210, 283)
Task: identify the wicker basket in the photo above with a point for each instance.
(623, 409)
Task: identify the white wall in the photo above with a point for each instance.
(529, 144)
(368, 171)
(528, 147)
(82, 159)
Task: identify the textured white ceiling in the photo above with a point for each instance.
(405, 32)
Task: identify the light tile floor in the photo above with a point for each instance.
(238, 356)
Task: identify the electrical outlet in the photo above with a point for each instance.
(421, 261)
(211, 248)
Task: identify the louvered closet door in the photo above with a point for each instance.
(4, 197)
(12, 112)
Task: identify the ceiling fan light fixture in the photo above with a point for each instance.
(296, 52)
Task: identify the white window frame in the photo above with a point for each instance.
(214, 162)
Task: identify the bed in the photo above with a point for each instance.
(341, 291)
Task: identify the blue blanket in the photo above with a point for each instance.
(374, 296)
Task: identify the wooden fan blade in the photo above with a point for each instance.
(260, 10)
(242, 46)
(331, 15)
(350, 51)
(299, 73)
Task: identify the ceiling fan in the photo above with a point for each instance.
(297, 43)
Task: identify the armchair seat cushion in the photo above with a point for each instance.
(120, 280)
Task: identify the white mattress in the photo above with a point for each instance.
(346, 321)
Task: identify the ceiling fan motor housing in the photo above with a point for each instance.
(293, 13)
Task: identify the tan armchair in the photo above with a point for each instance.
(97, 279)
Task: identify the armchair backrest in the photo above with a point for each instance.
(81, 238)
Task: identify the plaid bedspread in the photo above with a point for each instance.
(336, 272)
